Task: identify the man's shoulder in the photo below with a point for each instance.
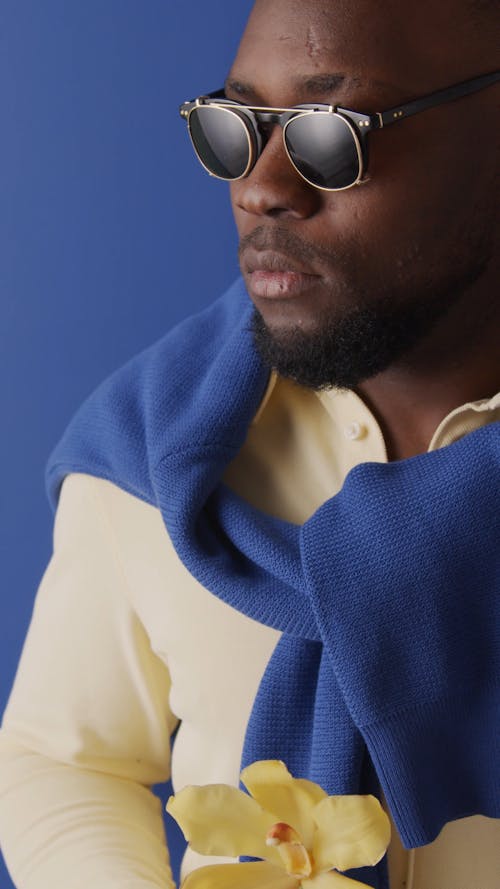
(116, 432)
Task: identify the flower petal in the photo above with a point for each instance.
(353, 831)
(290, 799)
(256, 875)
(332, 880)
(218, 819)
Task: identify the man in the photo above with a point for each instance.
(171, 597)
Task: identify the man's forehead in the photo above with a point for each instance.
(350, 50)
(314, 51)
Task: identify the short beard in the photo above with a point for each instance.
(352, 346)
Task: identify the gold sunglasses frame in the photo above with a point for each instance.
(241, 112)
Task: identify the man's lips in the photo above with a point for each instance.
(278, 285)
(272, 275)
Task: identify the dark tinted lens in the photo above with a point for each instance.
(221, 141)
(323, 148)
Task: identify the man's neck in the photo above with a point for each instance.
(452, 367)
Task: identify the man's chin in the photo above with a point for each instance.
(306, 354)
(342, 350)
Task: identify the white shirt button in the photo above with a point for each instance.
(355, 431)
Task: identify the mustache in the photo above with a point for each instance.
(282, 240)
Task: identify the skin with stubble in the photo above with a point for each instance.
(395, 281)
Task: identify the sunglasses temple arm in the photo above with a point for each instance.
(399, 112)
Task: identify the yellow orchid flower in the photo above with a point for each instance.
(304, 837)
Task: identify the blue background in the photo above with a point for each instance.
(110, 232)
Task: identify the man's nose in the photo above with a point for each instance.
(274, 187)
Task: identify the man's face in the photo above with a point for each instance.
(363, 274)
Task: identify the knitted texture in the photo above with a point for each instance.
(386, 673)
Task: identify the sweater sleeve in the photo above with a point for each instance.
(87, 727)
(404, 573)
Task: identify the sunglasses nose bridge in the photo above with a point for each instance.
(270, 125)
(272, 119)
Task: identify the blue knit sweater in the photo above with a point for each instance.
(387, 672)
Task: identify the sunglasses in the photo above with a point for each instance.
(327, 145)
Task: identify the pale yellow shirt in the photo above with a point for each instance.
(124, 644)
